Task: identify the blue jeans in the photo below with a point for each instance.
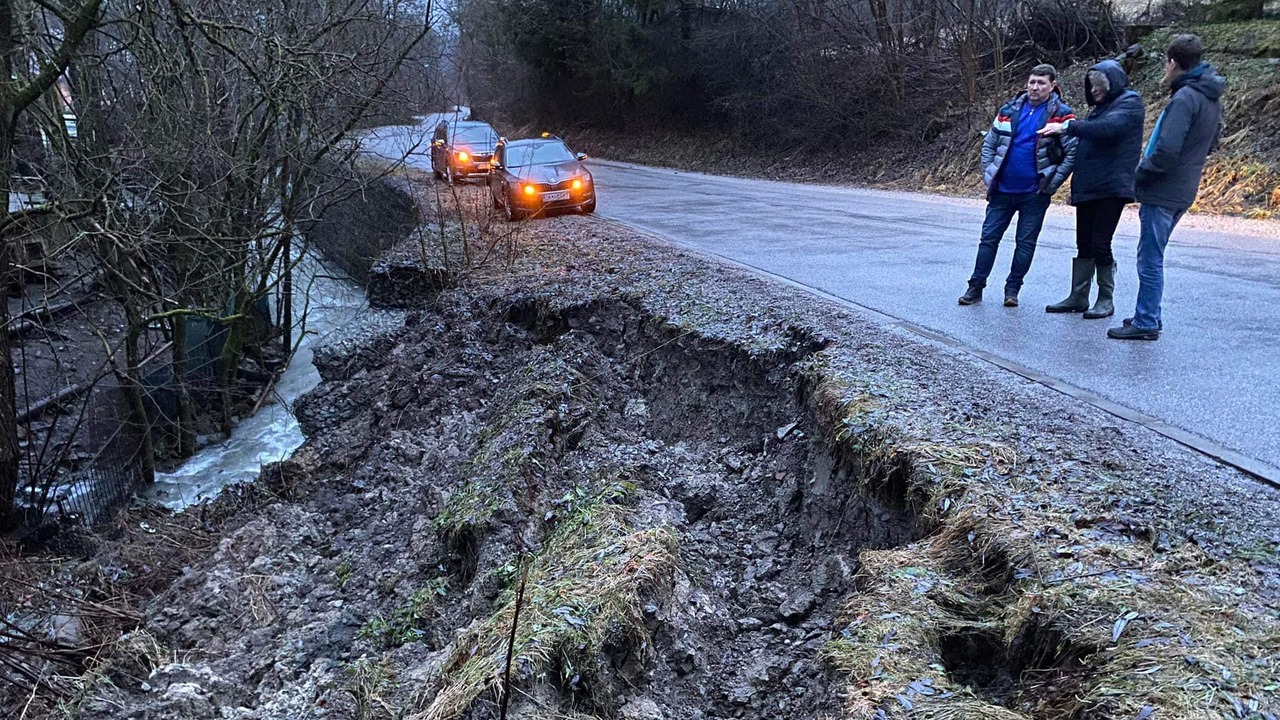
(1030, 209)
(1157, 225)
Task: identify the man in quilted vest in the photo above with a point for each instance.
(1022, 170)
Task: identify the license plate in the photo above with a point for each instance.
(554, 196)
(482, 167)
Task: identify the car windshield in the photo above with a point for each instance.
(543, 153)
(475, 135)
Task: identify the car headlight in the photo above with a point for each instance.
(463, 156)
(529, 190)
(577, 183)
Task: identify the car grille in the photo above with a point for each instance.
(550, 187)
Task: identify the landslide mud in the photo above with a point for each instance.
(717, 511)
(715, 444)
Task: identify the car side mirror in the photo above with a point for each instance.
(582, 156)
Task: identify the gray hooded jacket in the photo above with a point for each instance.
(1189, 128)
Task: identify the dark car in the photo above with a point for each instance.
(538, 175)
(462, 148)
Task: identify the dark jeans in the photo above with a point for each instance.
(1096, 222)
(1030, 209)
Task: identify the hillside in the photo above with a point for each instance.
(1243, 177)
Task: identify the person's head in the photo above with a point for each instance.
(1184, 53)
(1041, 82)
(1098, 85)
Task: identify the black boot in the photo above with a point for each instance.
(1106, 290)
(972, 295)
(1078, 300)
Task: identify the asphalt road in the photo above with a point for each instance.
(1210, 380)
(1213, 372)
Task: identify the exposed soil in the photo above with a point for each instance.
(714, 498)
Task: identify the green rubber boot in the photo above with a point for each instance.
(1078, 300)
(1106, 290)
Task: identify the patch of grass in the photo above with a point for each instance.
(1243, 175)
(931, 475)
(1260, 551)
(1081, 611)
(372, 681)
(470, 507)
(342, 571)
(405, 623)
(512, 443)
(584, 593)
(1083, 627)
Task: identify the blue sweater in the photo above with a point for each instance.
(1020, 174)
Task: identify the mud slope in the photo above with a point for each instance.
(696, 495)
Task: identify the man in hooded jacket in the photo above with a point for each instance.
(1110, 143)
(1168, 177)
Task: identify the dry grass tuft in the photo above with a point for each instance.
(584, 593)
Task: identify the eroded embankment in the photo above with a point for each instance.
(688, 527)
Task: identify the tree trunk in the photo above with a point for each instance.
(130, 378)
(9, 455)
(286, 289)
(186, 414)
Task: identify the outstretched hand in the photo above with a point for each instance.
(1051, 129)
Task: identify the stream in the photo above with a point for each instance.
(334, 306)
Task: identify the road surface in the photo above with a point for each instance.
(1211, 380)
(1214, 371)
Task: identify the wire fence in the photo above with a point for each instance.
(89, 497)
(88, 491)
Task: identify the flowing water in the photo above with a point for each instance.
(333, 305)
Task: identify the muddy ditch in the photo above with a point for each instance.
(676, 525)
(684, 536)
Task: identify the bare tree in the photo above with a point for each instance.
(203, 128)
(31, 62)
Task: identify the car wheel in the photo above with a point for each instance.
(509, 210)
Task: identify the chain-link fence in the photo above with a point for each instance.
(88, 490)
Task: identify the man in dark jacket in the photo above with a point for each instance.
(1110, 143)
(1022, 170)
(1168, 177)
